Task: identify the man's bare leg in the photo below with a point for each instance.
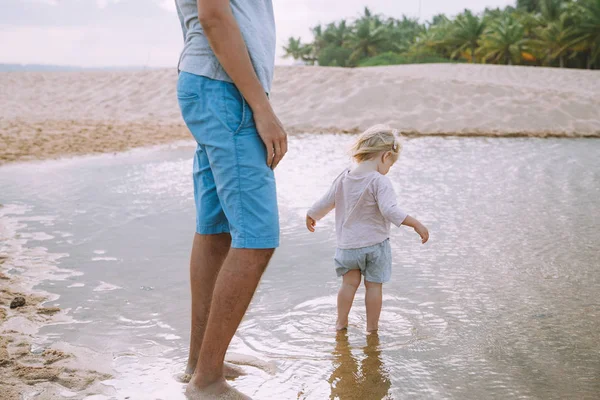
(233, 292)
(208, 255)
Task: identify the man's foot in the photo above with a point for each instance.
(217, 391)
(230, 371)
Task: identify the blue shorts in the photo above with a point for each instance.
(234, 188)
(374, 262)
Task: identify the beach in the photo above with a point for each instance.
(52, 114)
(98, 245)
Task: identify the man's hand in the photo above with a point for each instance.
(273, 135)
(423, 232)
(310, 223)
(225, 38)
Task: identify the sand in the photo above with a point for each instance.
(50, 114)
(27, 368)
(50, 372)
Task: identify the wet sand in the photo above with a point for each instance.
(51, 114)
(57, 371)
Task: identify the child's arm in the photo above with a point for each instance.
(386, 200)
(418, 227)
(321, 208)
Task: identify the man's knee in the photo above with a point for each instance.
(218, 241)
(254, 258)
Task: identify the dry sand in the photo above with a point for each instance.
(49, 114)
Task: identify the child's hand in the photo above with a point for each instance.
(310, 223)
(423, 232)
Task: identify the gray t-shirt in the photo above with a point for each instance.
(257, 24)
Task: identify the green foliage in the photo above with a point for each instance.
(529, 6)
(465, 33)
(585, 33)
(551, 41)
(503, 42)
(391, 58)
(334, 56)
(563, 33)
(297, 50)
(367, 40)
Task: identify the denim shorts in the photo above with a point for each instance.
(234, 188)
(374, 262)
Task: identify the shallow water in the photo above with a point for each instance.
(503, 302)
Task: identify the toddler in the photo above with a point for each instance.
(365, 206)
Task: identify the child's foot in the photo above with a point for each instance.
(341, 325)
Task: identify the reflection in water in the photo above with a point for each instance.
(349, 382)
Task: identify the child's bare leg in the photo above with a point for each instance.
(373, 299)
(350, 283)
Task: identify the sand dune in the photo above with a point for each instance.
(54, 113)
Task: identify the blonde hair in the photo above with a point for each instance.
(373, 141)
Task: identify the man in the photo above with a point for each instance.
(226, 69)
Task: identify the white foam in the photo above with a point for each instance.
(104, 259)
(106, 287)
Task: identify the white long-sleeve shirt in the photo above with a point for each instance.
(365, 206)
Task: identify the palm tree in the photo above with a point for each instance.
(551, 10)
(552, 41)
(319, 41)
(465, 33)
(367, 40)
(336, 37)
(433, 40)
(438, 20)
(401, 34)
(297, 50)
(529, 6)
(586, 31)
(503, 41)
(529, 21)
(337, 34)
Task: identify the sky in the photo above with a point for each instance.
(102, 33)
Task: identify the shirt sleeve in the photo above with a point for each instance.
(386, 201)
(325, 204)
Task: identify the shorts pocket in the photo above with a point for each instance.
(187, 87)
(237, 110)
(183, 96)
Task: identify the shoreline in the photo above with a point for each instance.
(47, 115)
(27, 365)
(70, 138)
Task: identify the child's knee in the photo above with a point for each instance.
(373, 285)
